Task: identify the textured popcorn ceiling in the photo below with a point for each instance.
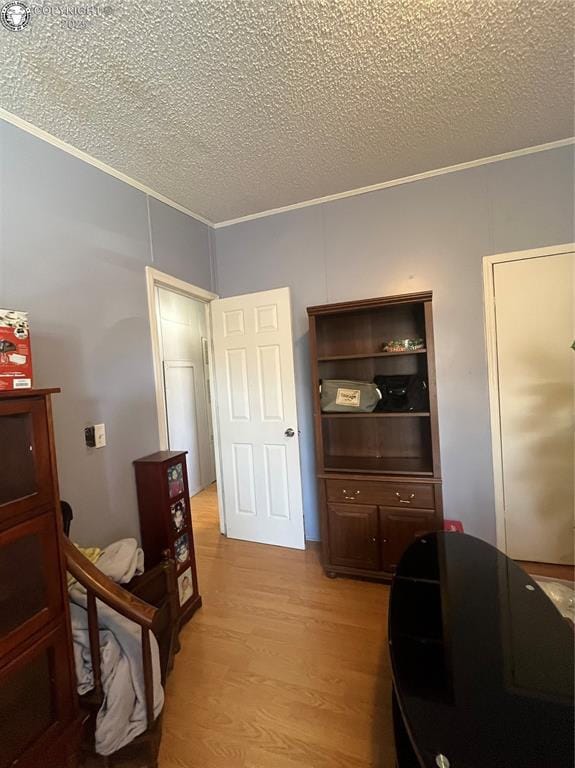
(230, 107)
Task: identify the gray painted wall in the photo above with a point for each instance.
(429, 234)
(74, 243)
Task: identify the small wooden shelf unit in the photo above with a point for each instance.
(166, 521)
(379, 474)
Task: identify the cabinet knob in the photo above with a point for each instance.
(384, 541)
(373, 539)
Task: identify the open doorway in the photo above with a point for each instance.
(182, 328)
(179, 324)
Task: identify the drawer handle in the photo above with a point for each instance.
(345, 491)
(405, 501)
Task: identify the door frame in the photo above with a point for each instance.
(156, 279)
(490, 317)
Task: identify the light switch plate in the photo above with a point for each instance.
(100, 435)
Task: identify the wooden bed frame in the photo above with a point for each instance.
(150, 601)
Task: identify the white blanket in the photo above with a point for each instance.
(122, 715)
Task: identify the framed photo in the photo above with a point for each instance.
(178, 514)
(185, 586)
(182, 548)
(175, 480)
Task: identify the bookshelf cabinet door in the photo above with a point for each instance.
(399, 529)
(25, 472)
(354, 536)
(35, 698)
(30, 586)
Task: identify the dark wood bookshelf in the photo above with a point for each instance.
(40, 721)
(379, 474)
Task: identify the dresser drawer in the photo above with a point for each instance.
(420, 495)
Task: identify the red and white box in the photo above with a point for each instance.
(15, 352)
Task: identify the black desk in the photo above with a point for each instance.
(482, 661)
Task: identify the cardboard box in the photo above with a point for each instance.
(15, 352)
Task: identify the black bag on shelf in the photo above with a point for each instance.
(402, 393)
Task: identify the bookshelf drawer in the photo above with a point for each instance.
(418, 495)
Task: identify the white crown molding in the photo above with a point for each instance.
(50, 139)
(9, 117)
(403, 180)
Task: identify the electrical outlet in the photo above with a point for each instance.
(100, 435)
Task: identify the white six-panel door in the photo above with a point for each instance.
(256, 406)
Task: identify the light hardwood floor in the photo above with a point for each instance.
(564, 572)
(281, 667)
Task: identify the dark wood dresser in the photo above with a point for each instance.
(39, 717)
(166, 521)
(379, 474)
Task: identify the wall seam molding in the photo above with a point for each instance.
(150, 236)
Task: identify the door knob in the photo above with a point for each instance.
(289, 432)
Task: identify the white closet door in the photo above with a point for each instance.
(534, 300)
(180, 388)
